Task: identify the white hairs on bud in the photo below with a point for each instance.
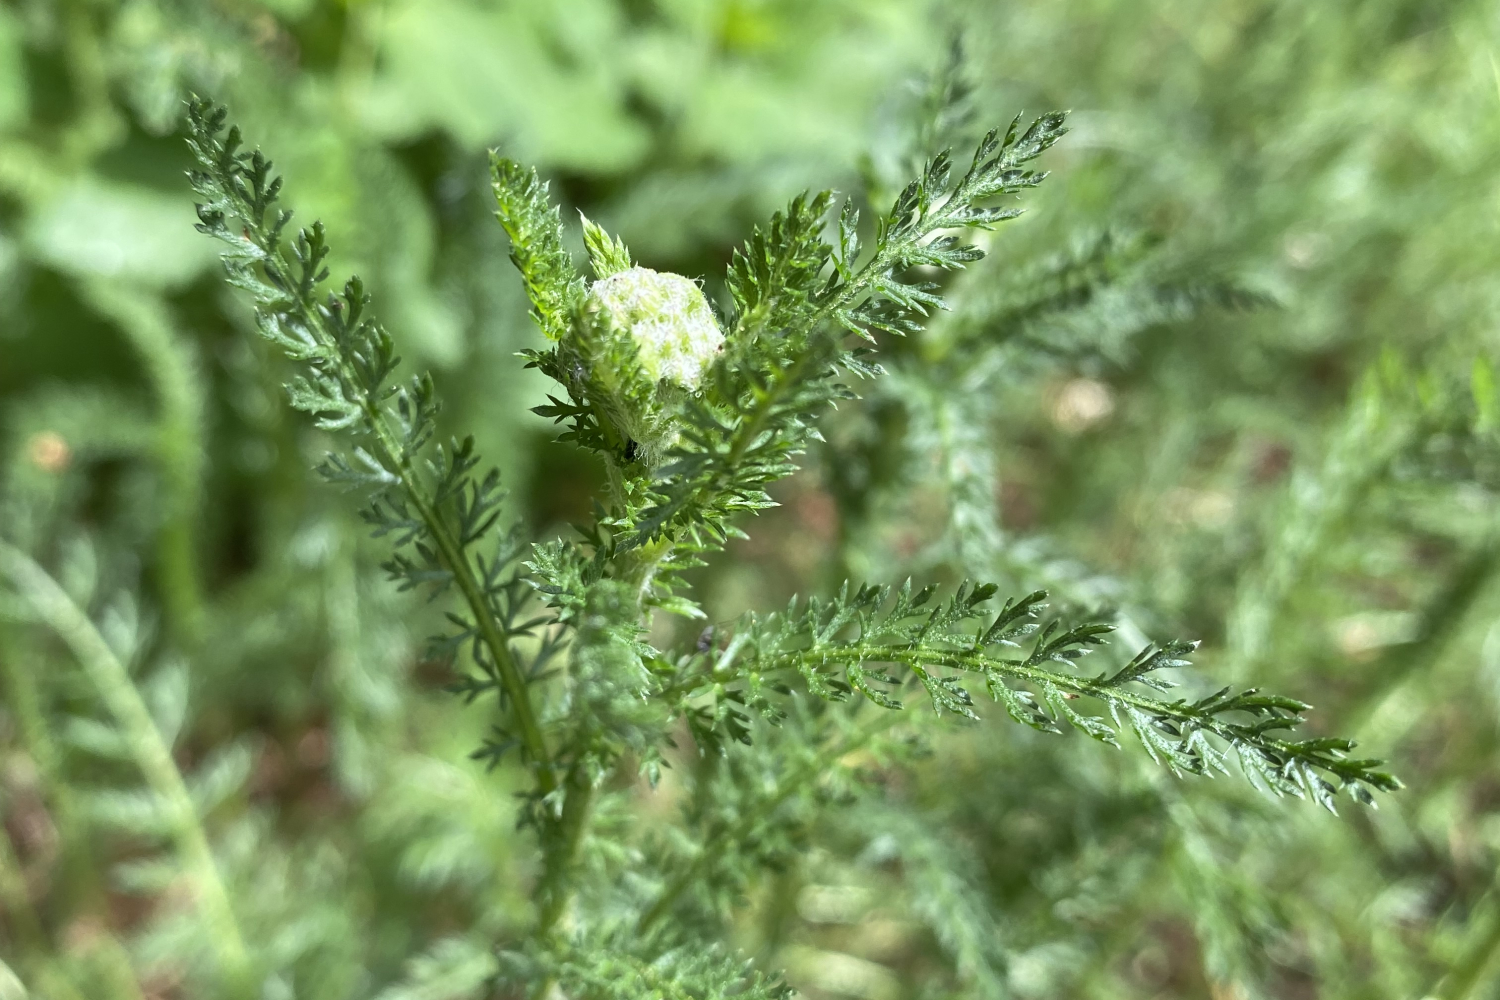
(668, 317)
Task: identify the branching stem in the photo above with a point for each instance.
(468, 585)
(921, 658)
(242, 188)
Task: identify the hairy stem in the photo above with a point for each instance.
(1440, 622)
(561, 854)
(556, 890)
(112, 682)
(96, 125)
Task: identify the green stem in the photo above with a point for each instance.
(1468, 973)
(555, 891)
(918, 659)
(561, 852)
(80, 868)
(394, 456)
(112, 682)
(97, 126)
(113, 961)
(354, 718)
(1439, 624)
(778, 919)
(170, 365)
(29, 939)
(452, 556)
(1317, 501)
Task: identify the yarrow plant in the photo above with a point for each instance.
(780, 717)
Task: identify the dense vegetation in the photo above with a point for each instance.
(1228, 379)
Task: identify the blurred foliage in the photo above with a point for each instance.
(1221, 381)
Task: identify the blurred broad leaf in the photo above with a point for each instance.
(538, 78)
(98, 228)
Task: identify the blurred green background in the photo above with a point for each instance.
(1219, 380)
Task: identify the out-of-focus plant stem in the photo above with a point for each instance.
(112, 682)
(1468, 974)
(170, 365)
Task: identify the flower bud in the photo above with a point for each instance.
(667, 316)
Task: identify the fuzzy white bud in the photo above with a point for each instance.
(675, 333)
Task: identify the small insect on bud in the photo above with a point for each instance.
(675, 333)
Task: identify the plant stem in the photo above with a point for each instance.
(555, 890)
(919, 658)
(561, 855)
(173, 370)
(1468, 973)
(96, 125)
(27, 936)
(393, 455)
(1438, 625)
(112, 682)
(79, 867)
(494, 638)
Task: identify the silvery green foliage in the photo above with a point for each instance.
(1321, 530)
(694, 418)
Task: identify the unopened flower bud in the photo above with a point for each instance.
(675, 333)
